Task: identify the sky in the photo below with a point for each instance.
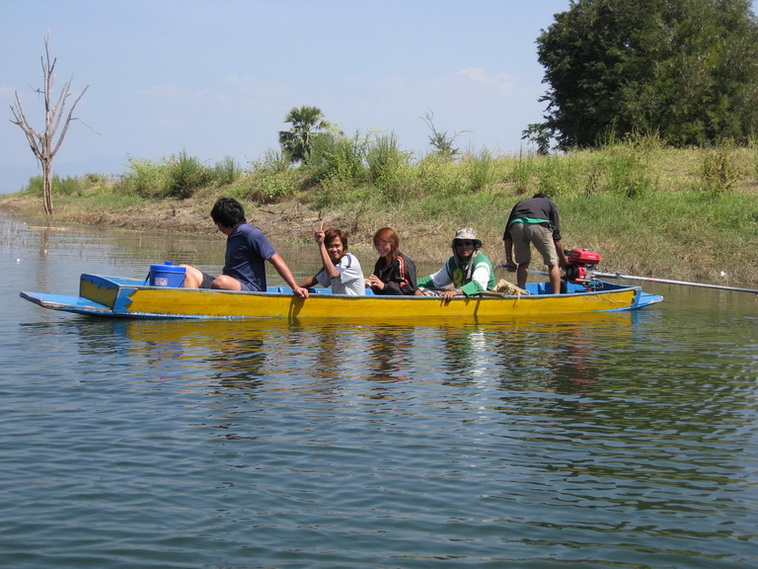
(215, 79)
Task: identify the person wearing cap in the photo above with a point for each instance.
(534, 221)
(469, 271)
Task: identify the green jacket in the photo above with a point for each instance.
(481, 276)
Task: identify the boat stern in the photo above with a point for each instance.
(643, 299)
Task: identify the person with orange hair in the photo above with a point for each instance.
(394, 273)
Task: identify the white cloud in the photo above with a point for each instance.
(504, 83)
(7, 94)
(165, 91)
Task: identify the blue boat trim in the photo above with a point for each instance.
(111, 297)
(67, 303)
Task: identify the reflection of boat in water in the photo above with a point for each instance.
(132, 298)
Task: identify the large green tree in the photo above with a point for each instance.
(307, 123)
(684, 69)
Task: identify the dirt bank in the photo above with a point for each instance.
(285, 221)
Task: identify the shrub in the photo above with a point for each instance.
(185, 175)
(226, 171)
(272, 161)
(524, 172)
(266, 186)
(68, 186)
(339, 158)
(386, 163)
(480, 171)
(332, 192)
(95, 179)
(437, 176)
(144, 178)
(719, 169)
(177, 176)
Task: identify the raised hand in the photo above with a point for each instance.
(319, 234)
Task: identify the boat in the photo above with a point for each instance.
(121, 297)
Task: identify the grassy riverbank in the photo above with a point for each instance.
(651, 211)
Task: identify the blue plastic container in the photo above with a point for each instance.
(167, 274)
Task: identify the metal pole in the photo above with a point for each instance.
(669, 281)
(652, 280)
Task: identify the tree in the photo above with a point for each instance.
(307, 124)
(684, 69)
(43, 143)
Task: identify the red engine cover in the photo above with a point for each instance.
(583, 256)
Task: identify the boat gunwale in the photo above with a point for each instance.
(132, 284)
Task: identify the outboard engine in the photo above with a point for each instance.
(580, 265)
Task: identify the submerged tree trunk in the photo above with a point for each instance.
(47, 187)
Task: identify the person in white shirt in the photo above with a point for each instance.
(341, 270)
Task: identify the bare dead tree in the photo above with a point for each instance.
(43, 143)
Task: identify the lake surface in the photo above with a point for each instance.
(623, 440)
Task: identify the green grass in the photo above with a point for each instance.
(651, 210)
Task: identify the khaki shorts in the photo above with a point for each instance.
(524, 234)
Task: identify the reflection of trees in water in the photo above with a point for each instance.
(329, 345)
(561, 357)
(390, 357)
(465, 353)
(561, 360)
(579, 383)
(238, 364)
(231, 354)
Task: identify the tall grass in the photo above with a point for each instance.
(388, 167)
(344, 168)
(720, 168)
(644, 207)
(227, 171)
(339, 158)
(185, 174)
(524, 172)
(176, 176)
(439, 177)
(68, 186)
(689, 234)
(480, 171)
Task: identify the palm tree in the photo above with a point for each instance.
(297, 142)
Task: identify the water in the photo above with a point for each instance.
(607, 441)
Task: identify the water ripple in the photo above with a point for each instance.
(614, 441)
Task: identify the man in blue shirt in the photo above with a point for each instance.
(247, 250)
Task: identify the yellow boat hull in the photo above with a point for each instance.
(127, 298)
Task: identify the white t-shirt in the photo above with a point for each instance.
(350, 280)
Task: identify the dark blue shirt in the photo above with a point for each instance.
(247, 250)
